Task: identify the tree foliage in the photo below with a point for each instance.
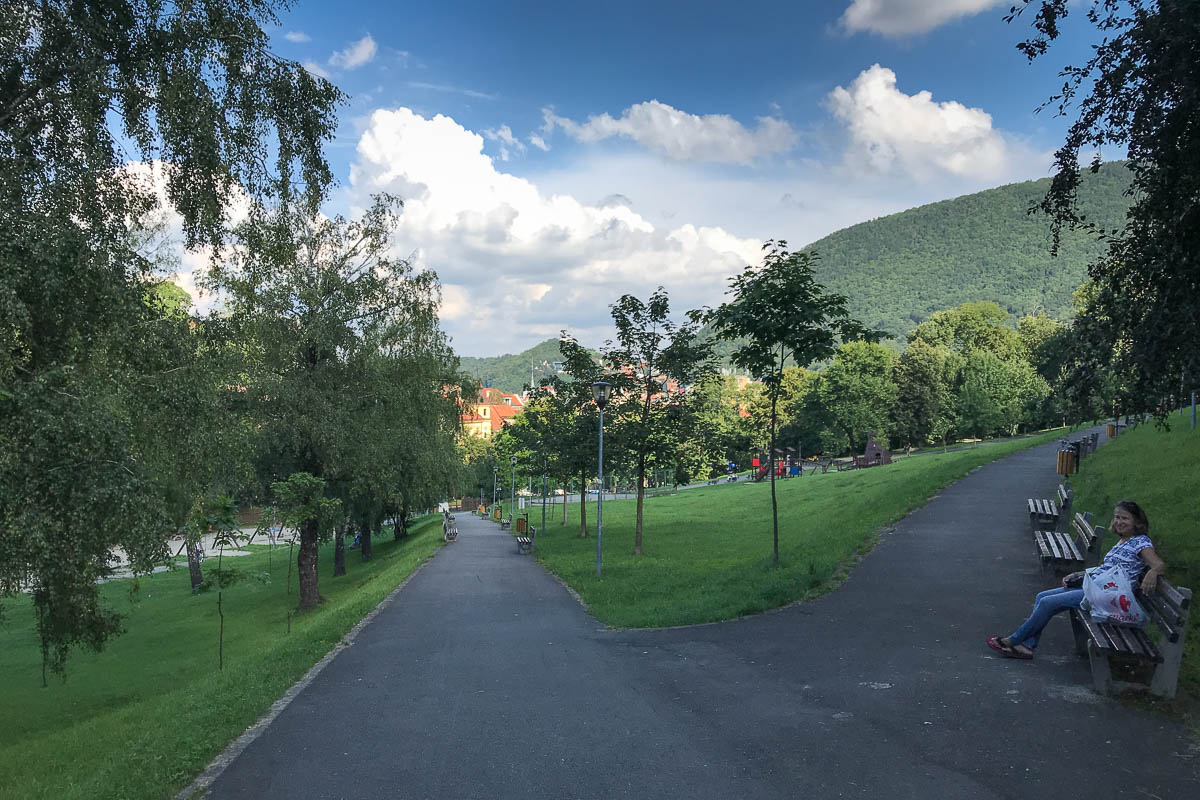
(1139, 91)
(84, 87)
(652, 362)
(780, 314)
(348, 374)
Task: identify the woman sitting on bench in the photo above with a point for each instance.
(1133, 552)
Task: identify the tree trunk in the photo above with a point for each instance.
(339, 551)
(641, 496)
(365, 550)
(193, 557)
(306, 566)
(401, 527)
(582, 505)
(774, 503)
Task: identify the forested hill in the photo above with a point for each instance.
(897, 270)
(510, 373)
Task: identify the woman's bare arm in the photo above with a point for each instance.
(1157, 567)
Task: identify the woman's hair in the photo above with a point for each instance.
(1141, 523)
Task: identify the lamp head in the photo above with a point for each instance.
(601, 392)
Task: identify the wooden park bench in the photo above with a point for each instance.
(525, 543)
(505, 522)
(1106, 644)
(449, 527)
(1052, 515)
(1066, 552)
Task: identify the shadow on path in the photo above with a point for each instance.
(485, 679)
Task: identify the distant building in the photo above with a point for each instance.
(493, 409)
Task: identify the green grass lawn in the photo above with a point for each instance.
(1160, 471)
(707, 551)
(143, 717)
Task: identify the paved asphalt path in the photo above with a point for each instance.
(486, 679)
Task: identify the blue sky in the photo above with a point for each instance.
(554, 155)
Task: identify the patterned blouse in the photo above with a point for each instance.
(1125, 555)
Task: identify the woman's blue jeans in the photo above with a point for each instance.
(1045, 606)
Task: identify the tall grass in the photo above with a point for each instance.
(1160, 470)
(145, 715)
(707, 551)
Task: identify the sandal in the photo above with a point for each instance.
(1008, 651)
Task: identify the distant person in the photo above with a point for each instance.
(1133, 553)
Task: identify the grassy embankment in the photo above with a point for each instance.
(708, 550)
(1160, 470)
(143, 717)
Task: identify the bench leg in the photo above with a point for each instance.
(1166, 674)
(1101, 672)
(1081, 635)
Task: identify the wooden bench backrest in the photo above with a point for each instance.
(1088, 535)
(1168, 607)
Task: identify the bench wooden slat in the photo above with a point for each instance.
(1040, 538)
(1055, 545)
(1168, 625)
(1149, 651)
(1069, 548)
(1172, 594)
(1163, 605)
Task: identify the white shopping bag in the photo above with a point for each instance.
(1108, 597)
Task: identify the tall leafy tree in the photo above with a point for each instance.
(653, 360)
(85, 87)
(857, 391)
(322, 301)
(926, 378)
(1140, 91)
(784, 316)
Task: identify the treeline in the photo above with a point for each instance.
(969, 372)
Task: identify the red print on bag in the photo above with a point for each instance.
(1124, 602)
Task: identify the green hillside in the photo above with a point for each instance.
(897, 270)
(511, 373)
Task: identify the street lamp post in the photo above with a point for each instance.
(495, 478)
(512, 495)
(601, 391)
(544, 465)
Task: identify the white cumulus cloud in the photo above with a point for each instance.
(299, 37)
(890, 132)
(504, 135)
(518, 264)
(897, 18)
(355, 55)
(682, 136)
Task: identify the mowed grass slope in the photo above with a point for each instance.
(707, 551)
(143, 717)
(1160, 471)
